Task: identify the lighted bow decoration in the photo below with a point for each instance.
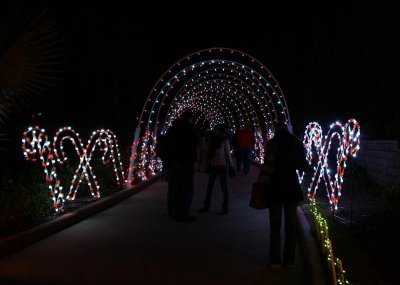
(103, 141)
(321, 155)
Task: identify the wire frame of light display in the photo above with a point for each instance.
(328, 155)
(218, 85)
(35, 143)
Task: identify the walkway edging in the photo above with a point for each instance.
(312, 259)
(25, 238)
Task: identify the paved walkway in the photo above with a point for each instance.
(134, 242)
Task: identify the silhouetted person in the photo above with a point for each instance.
(289, 155)
(220, 159)
(180, 158)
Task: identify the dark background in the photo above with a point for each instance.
(332, 62)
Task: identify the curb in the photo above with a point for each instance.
(312, 261)
(25, 238)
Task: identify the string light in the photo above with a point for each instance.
(223, 86)
(320, 152)
(35, 142)
(334, 265)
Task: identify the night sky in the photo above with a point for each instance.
(332, 64)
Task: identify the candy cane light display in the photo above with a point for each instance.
(329, 163)
(36, 144)
(52, 155)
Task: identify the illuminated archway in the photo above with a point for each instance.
(220, 85)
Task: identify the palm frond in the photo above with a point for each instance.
(30, 58)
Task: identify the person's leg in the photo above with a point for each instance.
(275, 221)
(246, 153)
(178, 193)
(184, 196)
(224, 187)
(188, 188)
(238, 158)
(210, 185)
(289, 249)
(243, 157)
(170, 199)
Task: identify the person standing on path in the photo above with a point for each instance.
(180, 156)
(220, 159)
(246, 141)
(288, 155)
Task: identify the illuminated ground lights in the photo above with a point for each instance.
(328, 156)
(333, 264)
(35, 143)
(218, 85)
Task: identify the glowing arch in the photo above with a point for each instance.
(220, 85)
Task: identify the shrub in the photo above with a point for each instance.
(24, 198)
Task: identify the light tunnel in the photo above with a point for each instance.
(219, 85)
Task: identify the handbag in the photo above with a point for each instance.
(259, 195)
(261, 192)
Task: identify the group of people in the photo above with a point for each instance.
(179, 154)
(178, 149)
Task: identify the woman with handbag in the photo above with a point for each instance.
(219, 156)
(286, 192)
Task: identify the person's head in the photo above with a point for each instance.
(220, 130)
(281, 127)
(187, 116)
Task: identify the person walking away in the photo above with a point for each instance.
(289, 155)
(220, 158)
(246, 140)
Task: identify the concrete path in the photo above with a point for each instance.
(135, 242)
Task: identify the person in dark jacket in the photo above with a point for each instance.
(180, 157)
(288, 155)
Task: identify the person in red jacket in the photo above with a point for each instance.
(246, 141)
